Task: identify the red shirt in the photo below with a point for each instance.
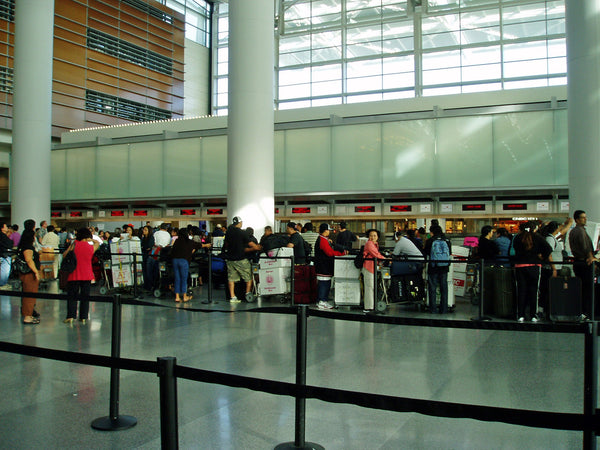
(84, 250)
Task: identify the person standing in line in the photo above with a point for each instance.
(371, 254)
(324, 264)
(39, 235)
(437, 247)
(15, 236)
(486, 248)
(503, 242)
(310, 236)
(530, 250)
(31, 280)
(6, 245)
(345, 237)
(80, 280)
(297, 243)
(183, 249)
(146, 245)
(236, 245)
(583, 253)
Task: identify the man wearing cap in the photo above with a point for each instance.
(297, 243)
(218, 231)
(236, 244)
(324, 260)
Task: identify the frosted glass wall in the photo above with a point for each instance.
(480, 152)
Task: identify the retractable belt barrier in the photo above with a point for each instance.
(168, 372)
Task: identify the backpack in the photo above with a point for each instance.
(439, 252)
(307, 250)
(359, 259)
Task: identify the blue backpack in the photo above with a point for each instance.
(439, 252)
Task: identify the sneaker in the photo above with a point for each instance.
(234, 300)
(582, 318)
(534, 319)
(324, 305)
(521, 319)
(249, 297)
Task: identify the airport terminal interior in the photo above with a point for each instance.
(387, 114)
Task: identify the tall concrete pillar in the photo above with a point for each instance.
(32, 111)
(583, 93)
(250, 145)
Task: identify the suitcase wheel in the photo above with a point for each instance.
(381, 306)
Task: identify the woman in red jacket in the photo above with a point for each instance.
(371, 254)
(80, 280)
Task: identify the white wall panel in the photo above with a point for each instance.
(145, 169)
(213, 170)
(356, 157)
(112, 171)
(58, 161)
(80, 177)
(408, 154)
(463, 156)
(279, 161)
(524, 149)
(182, 166)
(307, 160)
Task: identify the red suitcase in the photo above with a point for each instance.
(305, 284)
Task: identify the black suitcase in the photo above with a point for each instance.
(407, 289)
(565, 299)
(504, 298)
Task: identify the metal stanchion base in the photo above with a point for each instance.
(206, 302)
(109, 424)
(292, 446)
(481, 318)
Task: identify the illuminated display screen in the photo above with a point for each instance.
(474, 207)
(401, 208)
(76, 214)
(117, 213)
(514, 206)
(302, 210)
(364, 209)
(55, 214)
(214, 212)
(187, 212)
(140, 212)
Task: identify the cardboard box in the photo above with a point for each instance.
(122, 275)
(459, 282)
(266, 263)
(344, 268)
(274, 281)
(347, 292)
(460, 253)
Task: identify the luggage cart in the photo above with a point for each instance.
(274, 274)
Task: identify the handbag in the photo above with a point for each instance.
(20, 264)
(69, 262)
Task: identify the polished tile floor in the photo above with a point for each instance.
(50, 404)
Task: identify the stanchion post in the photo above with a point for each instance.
(135, 293)
(115, 422)
(590, 383)
(481, 295)
(210, 284)
(168, 403)
(299, 435)
(592, 292)
(292, 284)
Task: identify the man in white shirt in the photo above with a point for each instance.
(162, 238)
(50, 243)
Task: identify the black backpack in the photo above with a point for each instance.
(307, 250)
(359, 259)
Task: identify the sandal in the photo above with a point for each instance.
(33, 321)
(187, 299)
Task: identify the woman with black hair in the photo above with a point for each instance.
(80, 280)
(487, 249)
(30, 280)
(530, 250)
(183, 249)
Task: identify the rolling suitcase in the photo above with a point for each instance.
(504, 296)
(565, 299)
(305, 284)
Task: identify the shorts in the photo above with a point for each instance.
(237, 270)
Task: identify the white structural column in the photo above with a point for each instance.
(250, 137)
(583, 93)
(32, 111)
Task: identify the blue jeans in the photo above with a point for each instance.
(5, 263)
(181, 269)
(435, 279)
(323, 288)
